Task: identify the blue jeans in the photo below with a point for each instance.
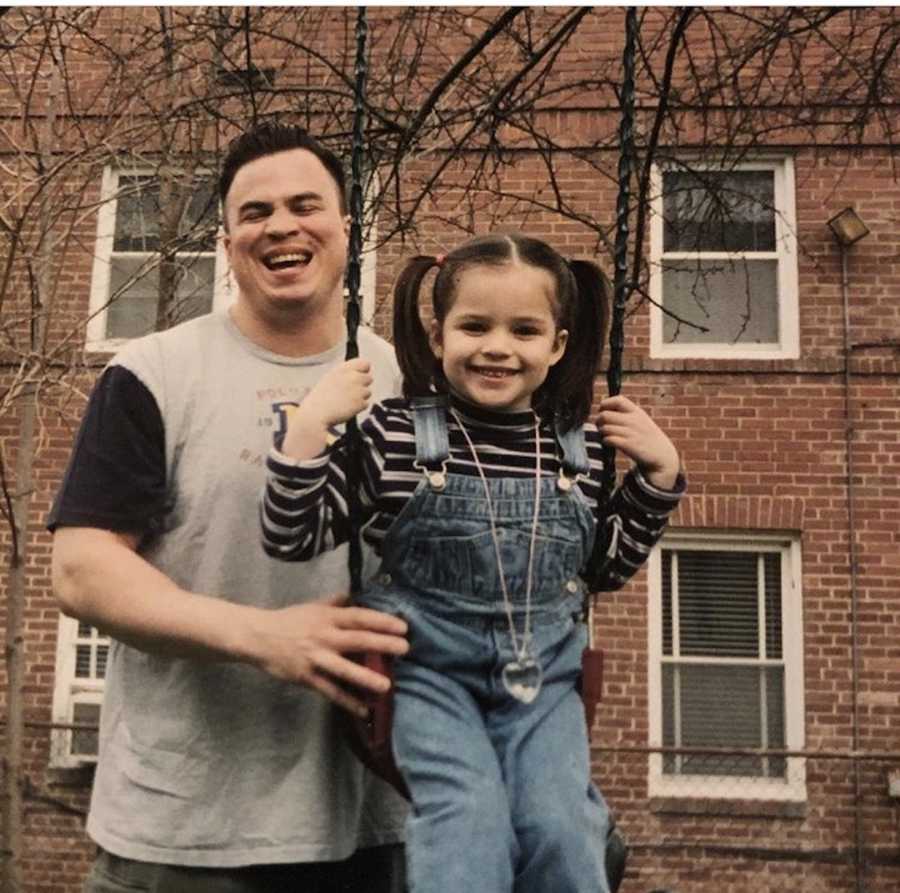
(502, 799)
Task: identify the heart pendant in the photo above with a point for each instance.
(522, 679)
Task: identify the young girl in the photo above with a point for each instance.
(482, 496)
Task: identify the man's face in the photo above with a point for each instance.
(286, 237)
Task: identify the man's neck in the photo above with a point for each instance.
(293, 335)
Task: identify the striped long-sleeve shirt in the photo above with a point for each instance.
(304, 508)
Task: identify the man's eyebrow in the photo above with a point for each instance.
(259, 204)
(306, 196)
(254, 205)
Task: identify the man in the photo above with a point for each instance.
(221, 766)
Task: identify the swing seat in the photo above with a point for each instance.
(590, 684)
(370, 738)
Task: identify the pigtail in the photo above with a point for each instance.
(571, 380)
(411, 343)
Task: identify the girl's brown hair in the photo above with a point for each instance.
(580, 308)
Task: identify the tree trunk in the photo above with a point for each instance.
(13, 770)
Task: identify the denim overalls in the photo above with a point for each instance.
(501, 790)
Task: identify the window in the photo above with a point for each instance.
(126, 278)
(723, 249)
(726, 666)
(81, 657)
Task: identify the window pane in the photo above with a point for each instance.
(102, 657)
(133, 311)
(194, 292)
(719, 211)
(721, 707)
(200, 222)
(84, 741)
(774, 679)
(772, 562)
(667, 602)
(735, 300)
(137, 215)
(718, 607)
(83, 661)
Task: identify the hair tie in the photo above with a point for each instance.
(439, 259)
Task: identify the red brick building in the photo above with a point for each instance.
(747, 739)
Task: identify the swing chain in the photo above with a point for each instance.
(352, 436)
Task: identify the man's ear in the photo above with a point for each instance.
(434, 338)
(347, 226)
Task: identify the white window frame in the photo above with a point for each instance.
(70, 690)
(788, 346)
(97, 339)
(733, 787)
(368, 267)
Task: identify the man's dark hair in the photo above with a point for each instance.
(269, 138)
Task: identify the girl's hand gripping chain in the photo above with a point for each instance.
(339, 395)
(625, 426)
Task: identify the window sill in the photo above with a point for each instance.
(782, 809)
(731, 364)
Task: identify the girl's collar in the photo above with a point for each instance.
(474, 414)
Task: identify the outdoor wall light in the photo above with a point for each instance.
(848, 227)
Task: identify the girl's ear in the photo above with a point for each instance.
(434, 338)
(559, 346)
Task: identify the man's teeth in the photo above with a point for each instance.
(283, 260)
(496, 373)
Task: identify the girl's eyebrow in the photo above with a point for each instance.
(516, 320)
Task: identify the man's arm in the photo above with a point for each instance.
(99, 578)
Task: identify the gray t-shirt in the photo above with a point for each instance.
(218, 764)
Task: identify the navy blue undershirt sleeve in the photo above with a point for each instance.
(116, 478)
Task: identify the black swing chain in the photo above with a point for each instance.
(354, 265)
(621, 284)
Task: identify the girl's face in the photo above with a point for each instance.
(499, 338)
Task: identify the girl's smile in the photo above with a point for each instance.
(499, 338)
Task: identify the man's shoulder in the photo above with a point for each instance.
(182, 340)
(374, 345)
(384, 363)
(175, 360)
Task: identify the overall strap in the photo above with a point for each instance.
(430, 421)
(574, 451)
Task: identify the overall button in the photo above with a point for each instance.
(385, 579)
(564, 483)
(572, 586)
(437, 479)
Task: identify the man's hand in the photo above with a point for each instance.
(308, 644)
(625, 426)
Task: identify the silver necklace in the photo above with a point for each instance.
(522, 676)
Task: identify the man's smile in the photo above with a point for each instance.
(285, 260)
